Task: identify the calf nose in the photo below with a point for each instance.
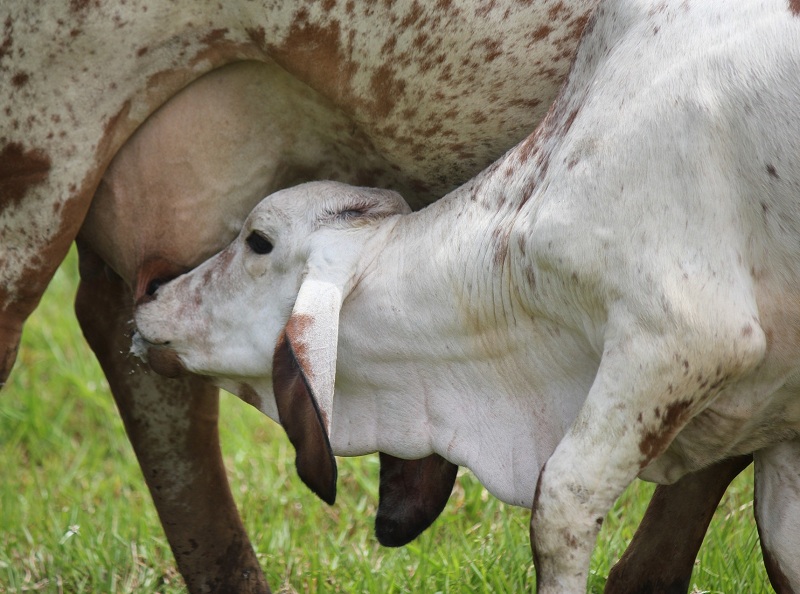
(150, 291)
(151, 275)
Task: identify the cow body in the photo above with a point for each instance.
(615, 297)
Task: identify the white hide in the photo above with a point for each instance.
(617, 295)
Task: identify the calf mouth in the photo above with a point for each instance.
(161, 358)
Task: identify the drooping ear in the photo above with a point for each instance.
(303, 373)
(412, 494)
(304, 361)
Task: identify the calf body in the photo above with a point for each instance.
(613, 298)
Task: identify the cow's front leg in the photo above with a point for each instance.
(661, 556)
(172, 425)
(647, 388)
(777, 503)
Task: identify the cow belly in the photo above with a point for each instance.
(180, 188)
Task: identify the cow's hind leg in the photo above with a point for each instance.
(660, 558)
(172, 425)
(777, 503)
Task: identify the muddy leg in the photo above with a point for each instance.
(172, 425)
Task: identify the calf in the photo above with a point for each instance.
(615, 297)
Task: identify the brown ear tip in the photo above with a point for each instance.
(323, 487)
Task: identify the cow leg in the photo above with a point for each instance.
(10, 335)
(660, 558)
(777, 506)
(172, 425)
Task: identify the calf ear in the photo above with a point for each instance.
(303, 373)
(412, 495)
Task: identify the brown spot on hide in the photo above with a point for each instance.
(542, 32)
(493, 50)
(535, 148)
(500, 238)
(33, 279)
(214, 36)
(386, 88)
(296, 328)
(319, 56)
(530, 276)
(794, 7)
(579, 25)
(8, 39)
(20, 170)
(116, 131)
(570, 539)
(314, 54)
(78, 5)
(412, 17)
(655, 441)
(20, 79)
(257, 35)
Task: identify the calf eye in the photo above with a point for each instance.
(258, 243)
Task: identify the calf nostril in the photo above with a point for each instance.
(153, 286)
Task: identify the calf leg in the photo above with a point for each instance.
(777, 505)
(648, 386)
(172, 425)
(660, 558)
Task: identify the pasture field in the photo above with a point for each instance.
(75, 515)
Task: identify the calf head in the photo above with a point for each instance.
(273, 295)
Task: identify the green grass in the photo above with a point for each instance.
(75, 515)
